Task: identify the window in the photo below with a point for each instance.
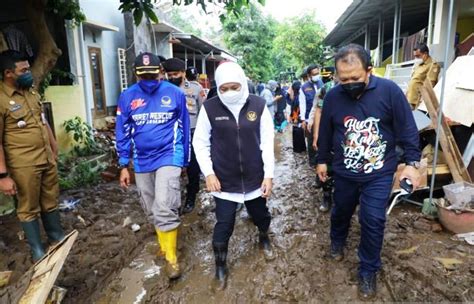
(97, 78)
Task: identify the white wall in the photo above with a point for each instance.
(104, 12)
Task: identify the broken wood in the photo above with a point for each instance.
(446, 138)
(47, 270)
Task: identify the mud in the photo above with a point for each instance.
(111, 264)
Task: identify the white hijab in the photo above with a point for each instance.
(232, 72)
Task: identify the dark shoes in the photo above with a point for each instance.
(327, 201)
(188, 207)
(266, 246)
(367, 286)
(239, 207)
(336, 252)
(220, 254)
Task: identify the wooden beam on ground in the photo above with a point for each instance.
(47, 270)
(448, 144)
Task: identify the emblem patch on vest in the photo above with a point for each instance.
(251, 116)
(165, 101)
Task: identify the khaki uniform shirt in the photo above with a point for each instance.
(428, 69)
(23, 129)
(195, 96)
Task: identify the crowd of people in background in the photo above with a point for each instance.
(168, 126)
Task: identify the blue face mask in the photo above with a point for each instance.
(25, 81)
(149, 86)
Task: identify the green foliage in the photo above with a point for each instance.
(83, 136)
(138, 8)
(187, 24)
(299, 43)
(67, 9)
(78, 172)
(250, 36)
(76, 169)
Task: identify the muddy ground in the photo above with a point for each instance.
(110, 263)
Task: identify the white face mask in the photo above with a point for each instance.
(231, 96)
(315, 78)
(418, 61)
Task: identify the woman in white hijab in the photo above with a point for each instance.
(233, 142)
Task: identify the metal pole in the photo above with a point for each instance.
(185, 58)
(395, 38)
(430, 22)
(447, 49)
(380, 41)
(367, 37)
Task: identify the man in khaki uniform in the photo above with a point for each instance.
(28, 152)
(427, 68)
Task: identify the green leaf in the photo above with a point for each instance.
(137, 16)
(150, 13)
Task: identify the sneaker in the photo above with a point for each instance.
(336, 252)
(367, 286)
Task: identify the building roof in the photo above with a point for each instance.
(192, 42)
(351, 24)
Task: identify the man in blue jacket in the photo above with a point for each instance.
(362, 120)
(153, 128)
(308, 94)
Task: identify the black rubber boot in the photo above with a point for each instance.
(52, 226)
(265, 245)
(220, 254)
(336, 252)
(188, 206)
(239, 207)
(327, 201)
(33, 236)
(367, 286)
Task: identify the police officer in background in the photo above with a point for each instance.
(426, 68)
(195, 96)
(28, 152)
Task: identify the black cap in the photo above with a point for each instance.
(147, 63)
(173, 65)
(191, 73)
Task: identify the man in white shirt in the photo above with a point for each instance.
(233, 142)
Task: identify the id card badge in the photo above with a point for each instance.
(43, 118)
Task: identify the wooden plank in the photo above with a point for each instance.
(440, 169)
(446, 139)
(47, 270)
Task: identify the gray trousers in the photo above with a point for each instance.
(160, 196)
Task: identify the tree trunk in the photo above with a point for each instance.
(48, 51)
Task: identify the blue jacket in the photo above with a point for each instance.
(309, 91)
(363, 133)
(153, 122)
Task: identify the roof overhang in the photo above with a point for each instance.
(352, 23)
(100, 26)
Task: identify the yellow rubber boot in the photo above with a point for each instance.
(170, 239)
(159, 239)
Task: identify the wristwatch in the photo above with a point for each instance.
(415, 164)
(3, 175)
(123, 166)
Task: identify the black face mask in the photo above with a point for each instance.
(354, 89)
(176, 81)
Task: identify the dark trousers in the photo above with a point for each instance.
(311, 151)
(225, 215)
(373, 197)
(193, 171)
